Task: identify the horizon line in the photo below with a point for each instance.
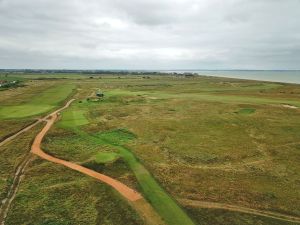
(152, 70)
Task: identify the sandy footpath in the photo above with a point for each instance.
(124, 190)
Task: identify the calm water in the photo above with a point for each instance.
(278, 76)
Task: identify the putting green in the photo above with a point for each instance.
(106, 157)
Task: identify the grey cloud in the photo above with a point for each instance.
(150, 34)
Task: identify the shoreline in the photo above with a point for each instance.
(249, 79)
(275, 76)
(244, 75)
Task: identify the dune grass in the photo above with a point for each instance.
(225, 217)
(207, 96)
(188, 126)
(166, 207)
(56, 195)
(206, 139)
(11, 156)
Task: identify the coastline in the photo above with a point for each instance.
(278, 76)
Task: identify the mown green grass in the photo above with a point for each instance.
(47, 76)
(40, 103)
(166, 207)
(11, 77)
(106, 157)
(73, 118)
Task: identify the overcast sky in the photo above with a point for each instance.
(150, 34)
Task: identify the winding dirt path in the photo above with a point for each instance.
(137, 200)
(234, 208)
(124, 190)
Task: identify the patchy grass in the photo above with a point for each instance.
(224, 217)
(193, 136)
(161, 201)
(11, 154)
(60, 196)
(184, 130)
(9, 127)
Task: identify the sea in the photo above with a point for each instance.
(285, 76)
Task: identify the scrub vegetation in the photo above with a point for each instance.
(179, 141)
(59, 196)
